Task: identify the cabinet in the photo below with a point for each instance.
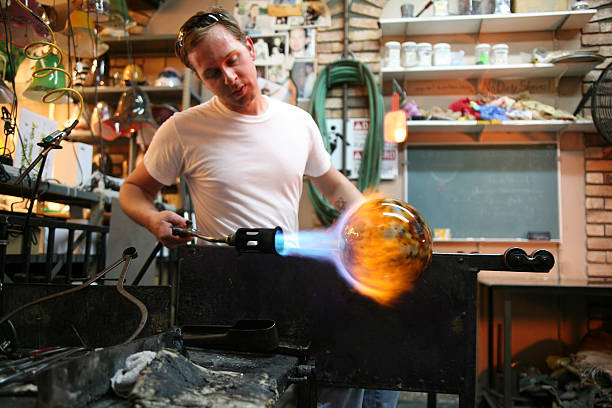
(552, 27)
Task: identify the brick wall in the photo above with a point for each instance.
(598, 157)
(363, 43)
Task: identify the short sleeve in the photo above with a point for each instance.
(165, 156)
(319, 161)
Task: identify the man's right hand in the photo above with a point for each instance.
(161, 223)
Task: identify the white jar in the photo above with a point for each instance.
(424, 54)
(409, 54)
(482, 53)
(442, 54)
(440, 7)
(392, 54)
(499, 54)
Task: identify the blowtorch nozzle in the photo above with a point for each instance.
(260, 240)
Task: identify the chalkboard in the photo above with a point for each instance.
(486, 191)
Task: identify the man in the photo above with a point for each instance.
(243, 155)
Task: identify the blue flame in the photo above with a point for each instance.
(317, 244)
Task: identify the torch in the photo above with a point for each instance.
(380, 247)
(259, 240)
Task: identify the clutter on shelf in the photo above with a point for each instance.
(492, 108)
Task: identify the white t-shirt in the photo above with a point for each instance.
(241, 170)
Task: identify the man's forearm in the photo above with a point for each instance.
(338, 190)
(137, 204)
(346, 196)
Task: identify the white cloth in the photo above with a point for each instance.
(241, 170)
(124, 379)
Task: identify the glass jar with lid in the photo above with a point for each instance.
(482, 53)
(442, 54)
(409, 54)
(499, 54)
(392, 54)
(424, 54)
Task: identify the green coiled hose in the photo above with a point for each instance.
(352, 72)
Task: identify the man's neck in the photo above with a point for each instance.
(257, 106)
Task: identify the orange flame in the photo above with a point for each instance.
(387, 245)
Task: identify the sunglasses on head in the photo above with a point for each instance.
(201, 21)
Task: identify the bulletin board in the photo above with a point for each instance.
(492, 191)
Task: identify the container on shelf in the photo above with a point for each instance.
(499, 54)
(457, 58)
(502, 7)
(482, 53)
(424, 51)
(407, 10)
(442, 54)
(409, 54)
(392, 54)
(440, 7)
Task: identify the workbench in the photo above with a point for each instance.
(203, 378)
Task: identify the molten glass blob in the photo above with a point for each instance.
(385, 245)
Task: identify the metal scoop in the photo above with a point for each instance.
(245, 335)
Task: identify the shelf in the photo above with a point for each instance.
(488, 23)
(475, 128)
(488, 71)
(142, 45)
(55, 192)
(157, 94)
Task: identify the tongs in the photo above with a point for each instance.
(262, 240)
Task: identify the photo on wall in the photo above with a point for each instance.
(271, 49)
(302, 42)
(274, 81)
(285, 8)
(303, 74)
(253, 17)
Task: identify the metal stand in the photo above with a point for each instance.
(126, 257)
(48, 143)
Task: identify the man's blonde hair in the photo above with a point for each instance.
(197, 27)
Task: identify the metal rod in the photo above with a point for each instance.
(189, 232)
(87, 253)
(69, 254)
(507, 353)
(147, 263)
(345, 54)
(50, 250)
(26, 250)
(143, 309)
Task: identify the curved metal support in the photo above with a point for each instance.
(128, 254)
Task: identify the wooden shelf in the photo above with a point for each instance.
(487, 23)
(473, 126)
(433, 132)
(142, 45)
(488, 71)
(156, 93)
